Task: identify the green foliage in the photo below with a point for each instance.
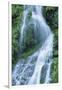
(54, 68)
(54, 71)
(16, 17)
(51, 16)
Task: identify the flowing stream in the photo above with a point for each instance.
(37, 67)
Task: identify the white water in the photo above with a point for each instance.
(30, 71)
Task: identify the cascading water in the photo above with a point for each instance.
(37, 67)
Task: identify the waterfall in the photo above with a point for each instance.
(37, 67)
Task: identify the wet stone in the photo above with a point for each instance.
(43, 73)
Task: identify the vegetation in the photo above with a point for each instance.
(31, 44)
(16, 21)
(51, 16)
